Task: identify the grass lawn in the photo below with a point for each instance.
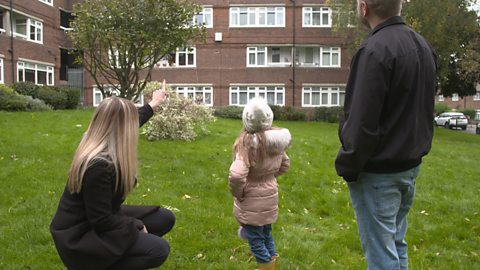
(316, 227)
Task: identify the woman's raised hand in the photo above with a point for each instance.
(158, 96)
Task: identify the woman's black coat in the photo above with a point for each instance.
(91, 229)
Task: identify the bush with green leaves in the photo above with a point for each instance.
(177, 118)
(26, 89)
(328, 114)
(470, 113)
(287, 113)
(72, 96)
(35, 104)
(10, 100)
(441, 108)
(232, 112)
(52, 97)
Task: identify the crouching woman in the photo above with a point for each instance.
(91, 228)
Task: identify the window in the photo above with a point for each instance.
(27, 28)
(275, 55)
(1, 71)
(36, 29)
(455, 97)
(205, 17)
(35, 73)
(201, 94)
(2, 30)
(319, 96)
(330, 57)
(114, 58)
(240, 95)
(476, 97)
(182, 57)
(48, 2)
(257, 17)
(65, 20)
(256, 56)
(185, 57)
(317, 17)
(98, 97)
(441, 98)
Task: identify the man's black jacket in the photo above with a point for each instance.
(388, 121)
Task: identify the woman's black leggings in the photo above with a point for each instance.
(150, 250)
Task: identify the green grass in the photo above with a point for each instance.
(316, 227)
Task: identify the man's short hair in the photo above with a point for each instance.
(385, 8)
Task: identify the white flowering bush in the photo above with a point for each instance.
(177, 118)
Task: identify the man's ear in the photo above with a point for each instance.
(364, 8)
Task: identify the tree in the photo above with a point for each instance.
(122, 40)
(450, 26)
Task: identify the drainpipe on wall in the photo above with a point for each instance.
(293, 52)
(11, 42)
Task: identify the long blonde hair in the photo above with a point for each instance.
(112, 136)
(250, 147)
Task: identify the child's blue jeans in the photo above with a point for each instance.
(261, 242)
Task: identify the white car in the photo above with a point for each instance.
(451, 120)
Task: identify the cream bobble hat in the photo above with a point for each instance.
(257, 115)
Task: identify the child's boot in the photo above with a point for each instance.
(275, 262)
(267, 266)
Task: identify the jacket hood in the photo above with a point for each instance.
(278, 140)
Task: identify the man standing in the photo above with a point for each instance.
(386, 130)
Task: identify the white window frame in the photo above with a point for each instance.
(256, 91)
(476, 97)
(96, 92)
(114, 58)
(191, 91)
(49, 72)
(1, 72)
(257, 16)
(186, 51)
(331, 51)
(256, 52)
(206, 13)
(308, 12)
(329, 91)
(455, 97)
(441, 98)
(29, 24)
(48, 2)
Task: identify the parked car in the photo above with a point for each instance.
(478, 128)
(451, 120)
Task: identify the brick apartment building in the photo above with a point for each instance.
(282, 50)
(33, 41)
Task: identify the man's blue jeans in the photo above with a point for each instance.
(261, 242)
(381, 202)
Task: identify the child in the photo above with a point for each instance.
(259, 157)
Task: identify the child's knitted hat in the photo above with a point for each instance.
(257, 115)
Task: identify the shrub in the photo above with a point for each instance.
(34, 104)
(26, 88)
(288, 113)
(52, 97)
(10, 100)
(72, 96)
(441, 108)
(178, 118)
(470, 113)
(328, 114)
(232, 112)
